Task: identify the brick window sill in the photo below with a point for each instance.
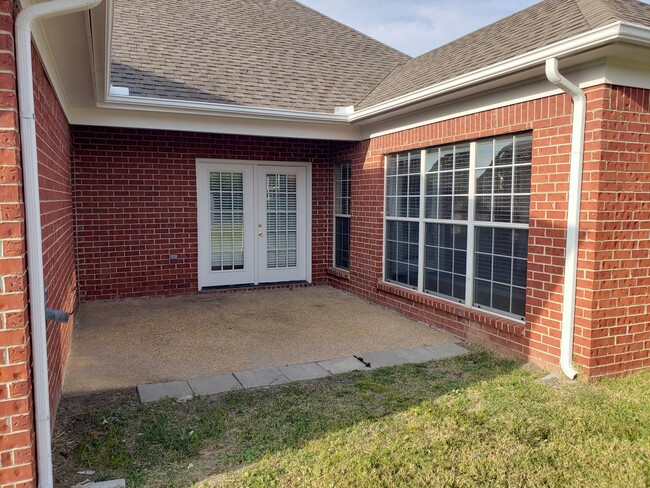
(339, 273)
(510, 326)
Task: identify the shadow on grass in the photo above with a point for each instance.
(154, 445)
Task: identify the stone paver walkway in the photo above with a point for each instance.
(265, 377)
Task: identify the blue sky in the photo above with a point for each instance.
(417, 26)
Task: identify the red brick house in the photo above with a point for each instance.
(259, 143)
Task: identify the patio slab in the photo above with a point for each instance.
(125, 343)
(214, 384)
(157, 391)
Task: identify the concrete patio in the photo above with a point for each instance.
(125, 343)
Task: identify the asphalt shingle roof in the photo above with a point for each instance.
(263, 53)
(535, 27)
(281, 54)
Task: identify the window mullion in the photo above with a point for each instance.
(385, 220)
(422, 242)
(469, 273)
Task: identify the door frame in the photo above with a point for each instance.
(201, 244)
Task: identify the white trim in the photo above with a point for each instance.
(588, 40)
(470, 224)
(214, 123)
(461, 113)
(255, 165)
(299, 272)
(339, 215)
(471, 228)
(206, 276)
(422, 246)
(50, 66)
(384, 219)
(108, 48)
(114, 101)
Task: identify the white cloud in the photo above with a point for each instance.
(417, 26)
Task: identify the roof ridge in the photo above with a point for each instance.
(332, 19)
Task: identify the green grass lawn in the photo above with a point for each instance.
(472, 421)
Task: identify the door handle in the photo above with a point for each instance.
(260, 234)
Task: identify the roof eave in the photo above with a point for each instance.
(222, 109)
(617, 31)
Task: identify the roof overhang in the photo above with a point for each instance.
(76, 53)
(578, 50)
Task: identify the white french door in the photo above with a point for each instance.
(282, 224)
(253, 222)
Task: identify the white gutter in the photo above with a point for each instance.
(573, 213)
(24, 24)
(114, 101)
(618, 31)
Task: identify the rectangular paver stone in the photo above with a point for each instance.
(442, 351)
(120, 483)
(158, 391)
(416, 354)
(255, 378)
(342, 365)
(381, 359)
(305, 371)
(214, 384)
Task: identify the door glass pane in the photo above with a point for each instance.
(226, 220)
(281, 221)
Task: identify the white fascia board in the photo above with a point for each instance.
(102, 50)
(214, 123)
(453, 108)
(133, 103)
(589, 40)
(49, 64)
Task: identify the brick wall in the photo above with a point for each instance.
(54, 141)
(135, 197)
(538, 340)
(615, 299)
(136, 204)
(16, 423)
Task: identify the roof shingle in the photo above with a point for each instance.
(281, 54)
(535, 27)
(263, 53)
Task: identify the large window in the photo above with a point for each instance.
(457, 222)
(342, 181)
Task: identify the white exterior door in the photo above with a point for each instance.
(282, 224)
(253, 223)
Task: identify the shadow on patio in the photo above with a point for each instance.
(123, 343)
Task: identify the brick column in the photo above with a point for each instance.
(16, 424)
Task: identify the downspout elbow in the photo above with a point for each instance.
(573, 214)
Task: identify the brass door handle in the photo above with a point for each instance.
(260, 234)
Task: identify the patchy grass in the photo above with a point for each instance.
(474, 420)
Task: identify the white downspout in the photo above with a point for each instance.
(573, 213)
(24, 23)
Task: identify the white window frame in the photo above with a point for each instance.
(337, 215)
(471, 223)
